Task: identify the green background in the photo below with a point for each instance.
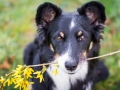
(17, 29)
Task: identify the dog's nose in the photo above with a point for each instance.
(70, 65)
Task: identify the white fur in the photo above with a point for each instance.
(66, 56)
(88, 87)
(62, 59)
(61, 80)
(64, 80)
(80, 72)
(72, 24)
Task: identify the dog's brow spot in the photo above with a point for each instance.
(91, 45)
(62, 34)
(51, 47)
(79, 33)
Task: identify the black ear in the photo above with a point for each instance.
(95, 12)
(46, 13)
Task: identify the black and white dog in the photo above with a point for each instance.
(68, 38)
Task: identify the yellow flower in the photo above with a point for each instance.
(18, 70)
(26, 84)
(13, 80)
(1, 79)
(8, 81)
(27, 72)
(41, 78)
(55, 72)
(44, 69)
(23, 84)
(19, 67)
(39, 75)
(20, 77)
(19, 83)
(17, 78)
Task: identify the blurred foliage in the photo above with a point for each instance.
(17, 28)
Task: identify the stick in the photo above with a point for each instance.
(105, 55)
(44, 64)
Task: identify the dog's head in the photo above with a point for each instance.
(70, 35)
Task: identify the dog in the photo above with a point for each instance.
(68, 38)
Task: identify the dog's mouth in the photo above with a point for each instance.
(71, 73)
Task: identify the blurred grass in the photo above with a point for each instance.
(17, 28)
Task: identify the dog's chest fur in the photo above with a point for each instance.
(64, 81)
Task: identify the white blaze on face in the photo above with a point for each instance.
(62, 59)
(65, 57)
(72, 24)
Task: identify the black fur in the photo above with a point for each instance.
(50, 21)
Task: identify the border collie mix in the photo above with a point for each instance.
(68, 38)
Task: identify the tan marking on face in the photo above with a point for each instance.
(91, 45)
(51, 47)
(85, 54)
(56, 55)
(62, 34)
(79, 33)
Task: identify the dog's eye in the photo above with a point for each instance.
(81, 38)
(59, 38)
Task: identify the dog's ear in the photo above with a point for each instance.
(46, 13)
(95, 12)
